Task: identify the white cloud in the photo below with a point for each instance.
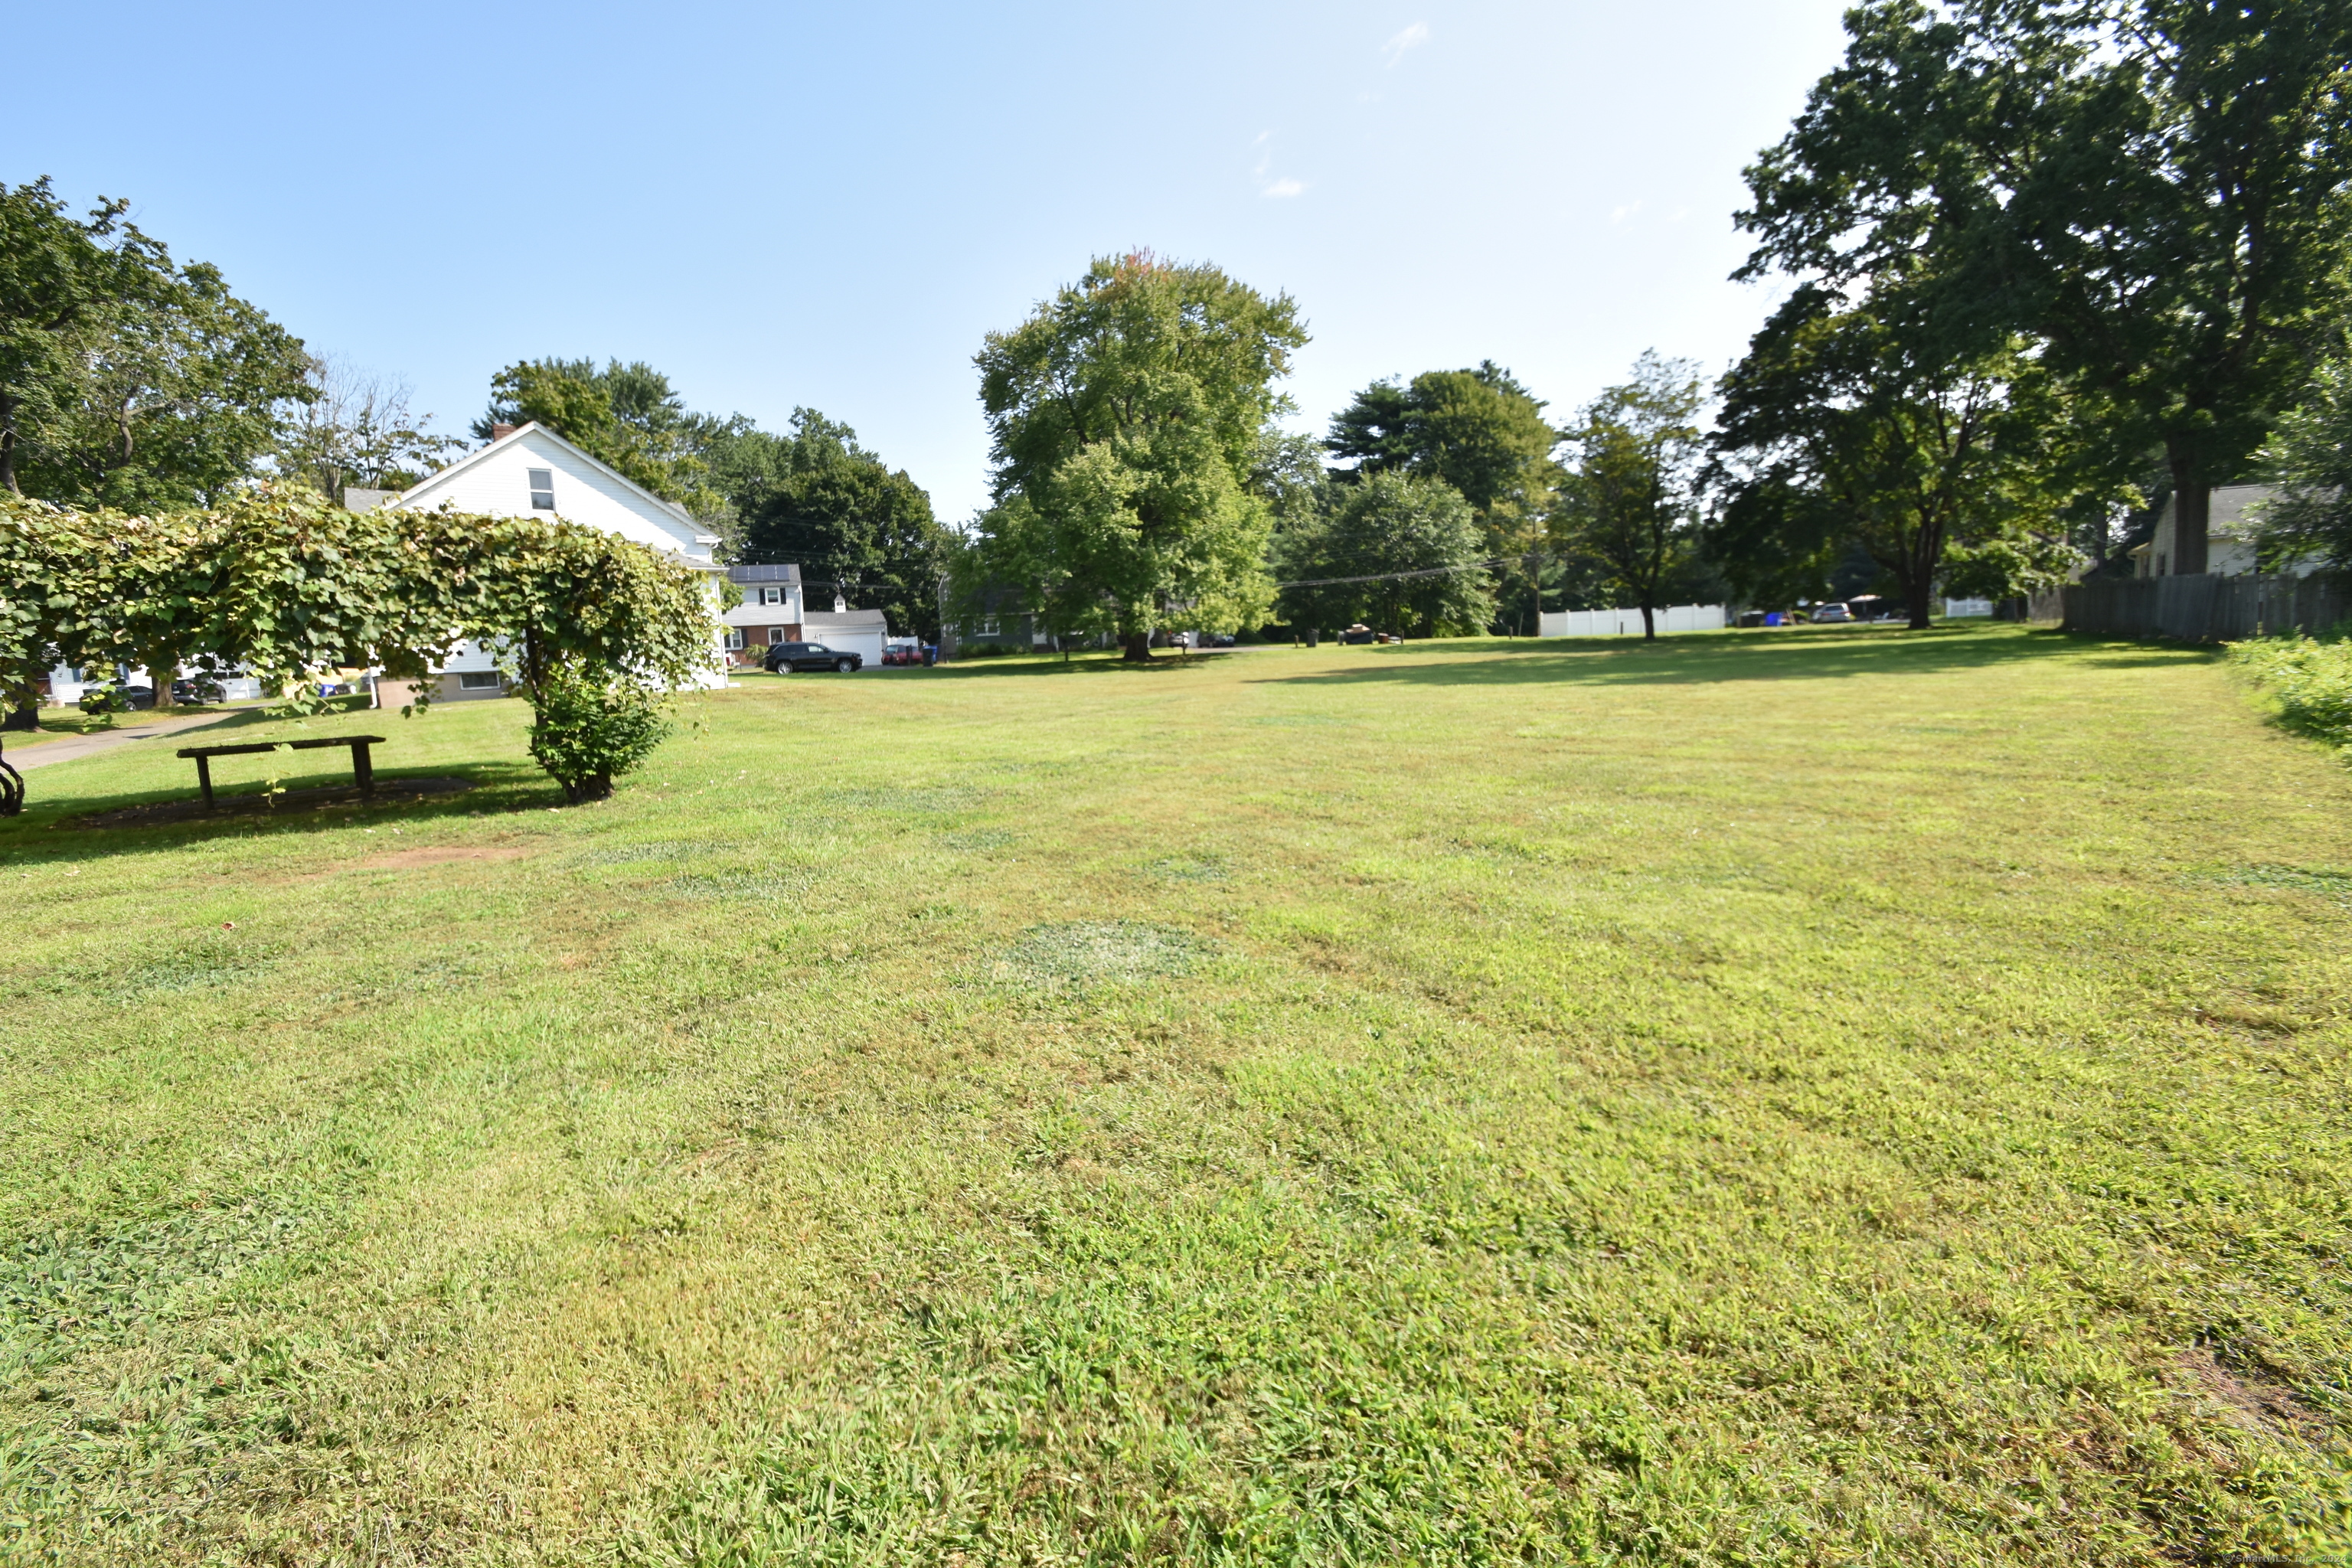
(1413, 37)
(1619, 214)
(1284, 188)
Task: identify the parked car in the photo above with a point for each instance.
(201, 689)
(785, 658)
(902, 650)
(1832, 610)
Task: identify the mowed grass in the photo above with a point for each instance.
(1825, 1096)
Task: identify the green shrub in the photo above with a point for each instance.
(590, 726)
(2310, 681)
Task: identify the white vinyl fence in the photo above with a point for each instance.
(1628, 623)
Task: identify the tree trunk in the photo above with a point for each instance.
(21, 716)
(2192, 511)
(1921, 596)
(1649, 623)
(8, 406)
(163, 667)
(1137, 646)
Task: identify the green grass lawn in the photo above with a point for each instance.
(1820, 1097)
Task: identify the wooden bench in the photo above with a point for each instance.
(363, 769)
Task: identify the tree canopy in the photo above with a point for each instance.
(1350, 563)
(127, 380)
(1127, 417)
(1478, 430)
(1630, 502)
(2151, 193)
(1850, 424)
(2309, 458)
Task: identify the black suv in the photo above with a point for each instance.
(787, 657)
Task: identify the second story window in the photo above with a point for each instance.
(772, 595)
(543, 489)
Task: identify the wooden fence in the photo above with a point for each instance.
(2205, 608)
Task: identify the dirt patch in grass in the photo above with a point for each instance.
(1101, 953)
(412, 860)
(2259, 1404)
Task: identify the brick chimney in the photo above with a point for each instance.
(500, 432)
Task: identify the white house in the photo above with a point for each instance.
(2229, 537)
(528, 471)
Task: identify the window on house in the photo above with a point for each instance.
(772, 595)
(775, 634)
(988, 627)
(734, 639)
(477, 680)
(543, 489)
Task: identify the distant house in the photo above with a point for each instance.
(2229, 537)
(772, 611)
(531, 471)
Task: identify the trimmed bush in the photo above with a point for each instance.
(590, 726)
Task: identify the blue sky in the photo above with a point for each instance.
(788, 205)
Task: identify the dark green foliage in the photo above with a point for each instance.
(623, 415)
(1478, 430)
(2152, 193)
(591, 725)
(1849, 424)
(853, 524)
(1128, 419)
(1385, 523)
(1630, 505)
(2310, 459)
(126, 380)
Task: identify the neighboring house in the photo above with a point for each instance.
(771, 610)
(2229, 537)
(998, 623)
(530, 472)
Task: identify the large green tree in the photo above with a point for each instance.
(1128, 419)
(1854, 424)
(1398, 550)
(853, 524)
(2152, 191)
(55, 271)
(1629, 501)
(1478, 430)
(127, 380)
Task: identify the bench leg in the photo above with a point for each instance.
(204, 779)
(363, 770)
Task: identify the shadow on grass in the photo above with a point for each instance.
(1736, 656)
(49, 832)
(1090, 662)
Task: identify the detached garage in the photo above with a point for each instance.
(861, 632)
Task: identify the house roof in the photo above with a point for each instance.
(845, 621)
(441, 476)
(741, 573)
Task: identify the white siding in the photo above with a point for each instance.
(496, 482)
(499, 482)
